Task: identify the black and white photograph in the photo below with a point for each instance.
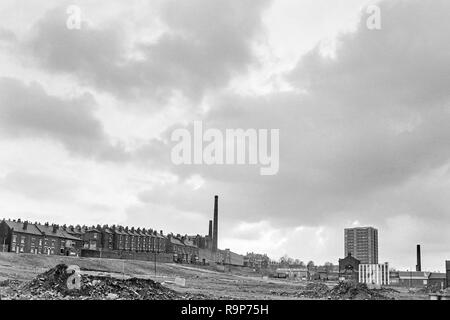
(224, 155)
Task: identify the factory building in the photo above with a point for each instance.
(374, 274)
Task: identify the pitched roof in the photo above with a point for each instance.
(93, 230)
(57, 232)
(437, 275)
(67, 235)
(118, 231)
(18, 227)
(176, 241)
(189, 243)
(413, 275)
(133, 232)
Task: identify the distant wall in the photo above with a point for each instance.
(221, 256)
(127, 255)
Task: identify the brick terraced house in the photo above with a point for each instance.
(115, 242)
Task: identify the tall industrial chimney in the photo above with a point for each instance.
(210, 232)
(216, 223)
(419, 262)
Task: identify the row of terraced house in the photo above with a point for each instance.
(100, 241)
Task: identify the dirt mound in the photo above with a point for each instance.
(54, 279)
(52, 285)
(356, 291)
(343, 291)
(431, 288)
(314, 290)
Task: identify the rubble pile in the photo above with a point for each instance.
(52, 285)
(9, 283)
(343, 291)
(356, 291)
(431, 288)
(314, 290)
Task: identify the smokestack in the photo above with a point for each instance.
(419, 263)
(216, 223)
(210, 229)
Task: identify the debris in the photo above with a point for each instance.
(52, 285)
(314, 290)
(112, 296)
(356, 291)
(342, 291)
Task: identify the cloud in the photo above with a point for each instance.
(363, 129)
(356, 127)
(28, 111)
(39, 186)
(204, 43)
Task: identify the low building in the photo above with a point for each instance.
(292, 273)
(160, 241)
(175, 246)
(232, 258)
(348, 268)
(413, 279)
(437, 280)
(374, 274)
(107, 241)
(191, 250)
(92, 239)
(56, 241)
(256, 260)
(394, 278)
(20, 237)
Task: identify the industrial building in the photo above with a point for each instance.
(374, 274)
(349, 268)
(362, 243)
(292, 273)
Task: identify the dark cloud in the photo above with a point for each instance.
(28, 111)
(207, 42)
(372, 119)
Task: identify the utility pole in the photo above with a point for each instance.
(155, 263)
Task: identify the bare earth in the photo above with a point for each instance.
(237, 283)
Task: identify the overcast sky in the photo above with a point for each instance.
(86, 117)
